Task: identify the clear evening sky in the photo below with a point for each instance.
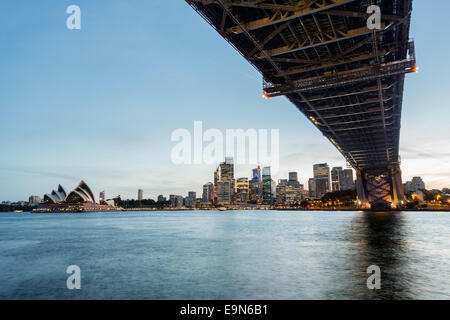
(100, 103)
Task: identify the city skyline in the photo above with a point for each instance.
(125, 140)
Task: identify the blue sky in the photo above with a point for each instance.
(100, 103)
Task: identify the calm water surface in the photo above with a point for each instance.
(225, 255)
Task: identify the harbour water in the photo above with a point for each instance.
(225, 255)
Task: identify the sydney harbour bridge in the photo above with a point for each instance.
(344, 75)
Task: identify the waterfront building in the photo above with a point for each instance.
(208, 193)
(322, 179)
(176, 201)
(266, 185)
(81, 199)
(224, 193)
(190, 200)
(227, 175)
(102, 197)
(140, 194)
(216, 180)
(179, 201)
(416, 184)
(34, 200)
(242, 190)
(347, 182)
(161, 198)
(255, 190)
(336, 179)
(312, 188)
(280, 198)
(256, 173)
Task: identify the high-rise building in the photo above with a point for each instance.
(255, 186)
(336, 179)
(102, 197)
(416, 184)
(266, 185)
(347, 182)
(322, 179)
(281, 192)
(34, 200)
(224, 193)
(312, 188)
(256, 173)
(140, 194)
(161, 198)
(242, 190)
(216, 180)
(208, 193)
(176, 201)
(173, 200)
(224, 183)
(190, 199)
(293, 176)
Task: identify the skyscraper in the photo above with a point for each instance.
(140, 194)
(322, 179)
(281, 192)
(224, 192)
(190, 199)
(256, 173)
(242, 190)
(225, 186)
(266, 185)
(336, 179)
(312, 188)
(347, 182)
(293, 176)
(208, 193)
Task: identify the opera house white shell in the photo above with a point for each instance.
(81, 194)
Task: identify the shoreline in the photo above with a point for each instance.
(250, 209)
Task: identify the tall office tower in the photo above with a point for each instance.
(224, 192)
(322, 179)
(281, 192)
(336, 179)
(102, 197)
(208, 193)
(293, 192)
(273, 189)
(293, 176)
(255, 190)
(256, 173)
(242, 190)
(266, 185)
(347, 182)
(227, 175)
(190, 200)
(312, 188)
(216, 180)
(161, 198)
(140, 194)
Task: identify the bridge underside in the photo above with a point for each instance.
(345, 78)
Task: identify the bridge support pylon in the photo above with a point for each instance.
(380, 188)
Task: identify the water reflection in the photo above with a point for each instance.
(381, 238)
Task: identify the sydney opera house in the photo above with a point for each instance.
(81, 199)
